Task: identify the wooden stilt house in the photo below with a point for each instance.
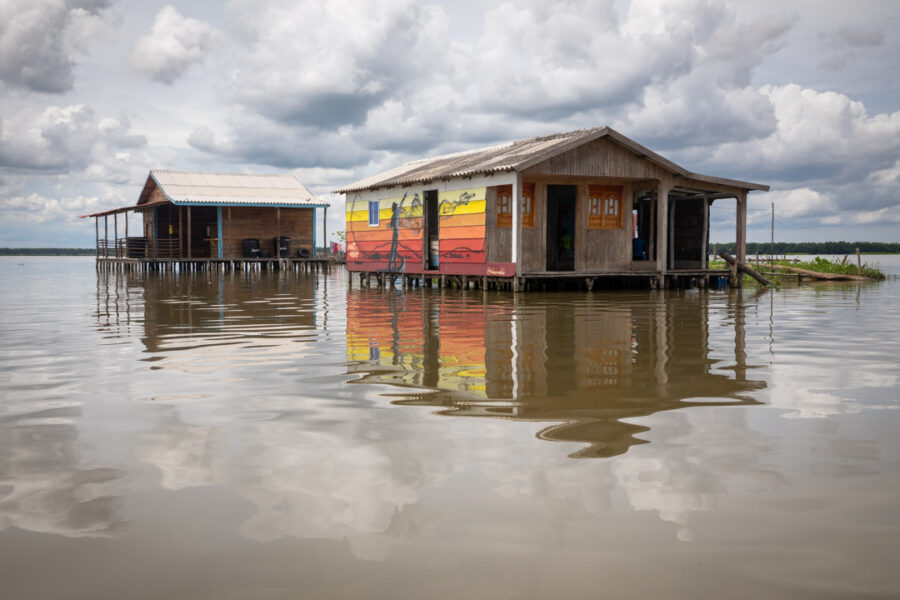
(189, 215)
(584, 204)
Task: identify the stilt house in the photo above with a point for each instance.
(585, 204)
(194, 215)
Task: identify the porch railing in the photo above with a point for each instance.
(138, 247)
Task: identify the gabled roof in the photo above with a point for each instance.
(518, 156)
(229, 189)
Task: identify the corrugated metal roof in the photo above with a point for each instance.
(196, 187)
(517, 156)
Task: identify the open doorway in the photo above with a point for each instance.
(561, 227)
(431, 239)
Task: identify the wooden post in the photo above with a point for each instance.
(229, 223)
(662, 225)
(278, 231)
(105, 236)
(325, 228)
(772, 239)
(180, 234)
(704, 257)
(116, 234)
(126, 234)
(741, 227)
(97, 235)
(189, 232)
(517, 223)
(858, 263)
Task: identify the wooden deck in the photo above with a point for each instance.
(682, 278)
(215, 264)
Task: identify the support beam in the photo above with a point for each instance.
(116, 234)
(219, 231)
(188, 232)
(517, 222)
(704, 256)
(325, 227)
(155, 232)
(181, 251)
(97, 235)
(278, 232)
(741, 226)
(105, 236)
(662, 226)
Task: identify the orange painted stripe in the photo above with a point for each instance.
(463, 233)
(375, 234)
(461, 220)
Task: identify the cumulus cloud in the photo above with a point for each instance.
(39, 38)
(326, 64)
(60, 139)
(172, 45)
(399, 84)
(35, 208)
(817, 135)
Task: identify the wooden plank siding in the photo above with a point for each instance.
(259, 223)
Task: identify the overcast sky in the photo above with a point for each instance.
(803, 95)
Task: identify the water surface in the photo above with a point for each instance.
(277, 435)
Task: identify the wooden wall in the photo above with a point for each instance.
(260, 223)
(600, 158)
(498, 244)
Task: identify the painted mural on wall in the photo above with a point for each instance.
(396, 240)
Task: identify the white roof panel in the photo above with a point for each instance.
(198, 187)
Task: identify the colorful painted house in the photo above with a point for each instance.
(584, 204)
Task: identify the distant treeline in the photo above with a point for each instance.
(814, 247)
(47, 252)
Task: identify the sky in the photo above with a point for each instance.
(802, 95)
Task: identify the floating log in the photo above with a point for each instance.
(821, 276)
(744, 268)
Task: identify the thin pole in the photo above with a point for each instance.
(116, 234)
(97, 235)
(325, 228)
(105, 236)
(772, 239)
(189, 232)
(180, 234)
(277, 232)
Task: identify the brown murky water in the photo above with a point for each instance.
(278, 436)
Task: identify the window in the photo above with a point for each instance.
(504, 206)
(527, 205)
(373, 213)
(604, 207)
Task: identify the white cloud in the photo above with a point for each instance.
(60, 139)
(172, 45)
(38, 39)
(818, 135)
(35, 208)
(326, 64)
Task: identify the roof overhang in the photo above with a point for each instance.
(411, 173)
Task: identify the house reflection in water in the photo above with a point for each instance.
(585, 363)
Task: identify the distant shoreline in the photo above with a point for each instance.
(47, 252)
